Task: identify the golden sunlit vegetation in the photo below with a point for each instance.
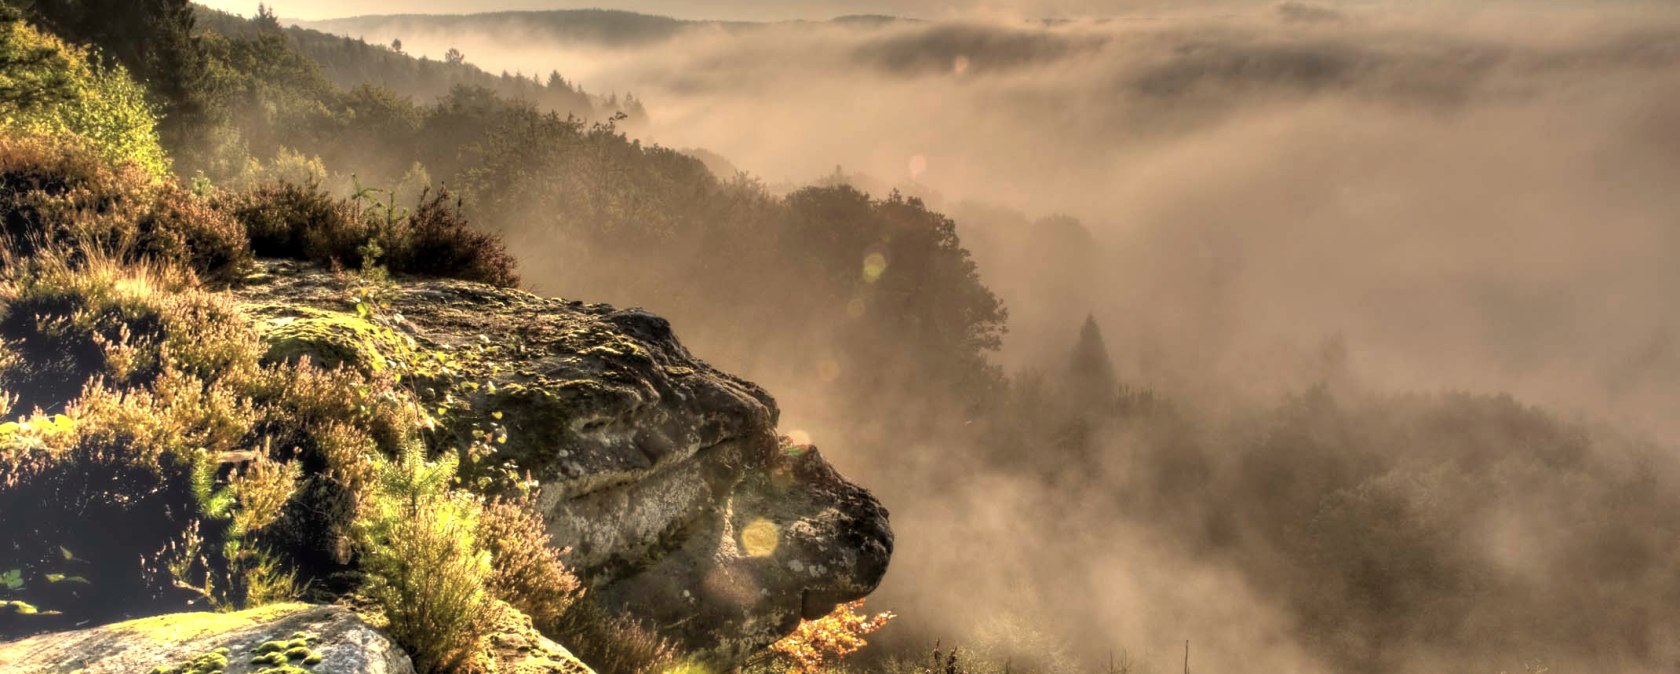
(135, 394)
(51, 89)
(825, 641)
(56, 194)
(428, 570)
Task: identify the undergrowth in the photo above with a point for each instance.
(155, 456)
(143, 420)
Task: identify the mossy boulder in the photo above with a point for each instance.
(665, 477)
(277, 639)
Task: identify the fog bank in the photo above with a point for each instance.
(1369, 198)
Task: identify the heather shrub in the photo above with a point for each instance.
(59, 196)
(339, 420)
(120, 456)
(529, 574)
(436, 240)
(305, 222)
(68, 323)
(815, 644)
(612, 644)
(302, 222)
(153, 430)
(188, 229)
(142, 419)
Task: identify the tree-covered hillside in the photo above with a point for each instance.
(588, 26)
(349, 63)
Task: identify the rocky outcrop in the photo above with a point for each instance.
(279, 639)
(664, 476)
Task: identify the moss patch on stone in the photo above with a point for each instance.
(284, 656)
(180, 627)
(213, 662)
(281, 656)
(335, 338)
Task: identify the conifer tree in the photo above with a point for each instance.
(1091, 378)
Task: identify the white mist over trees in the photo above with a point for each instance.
(1269, 386)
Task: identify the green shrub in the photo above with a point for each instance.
(425, 566)
(62, 92)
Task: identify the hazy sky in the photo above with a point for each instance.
(687, 9)
(701, 9)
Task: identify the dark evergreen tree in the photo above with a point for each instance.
(1088, 392)
(265, 19)
(1091, 377)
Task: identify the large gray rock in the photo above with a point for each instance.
(337, 641)
(665, 477)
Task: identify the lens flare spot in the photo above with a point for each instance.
(874, 265)
(856, 308)
(760, 538)
(828, 370)
(918, 166)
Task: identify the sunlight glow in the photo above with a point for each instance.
(760, 538)
(873, 267)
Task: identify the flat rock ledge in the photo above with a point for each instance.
(319, 639)
(338, 641)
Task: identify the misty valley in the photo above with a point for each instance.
(987, 338)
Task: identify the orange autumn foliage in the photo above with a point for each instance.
(829, 638)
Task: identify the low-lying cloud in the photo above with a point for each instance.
(1418, 196)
